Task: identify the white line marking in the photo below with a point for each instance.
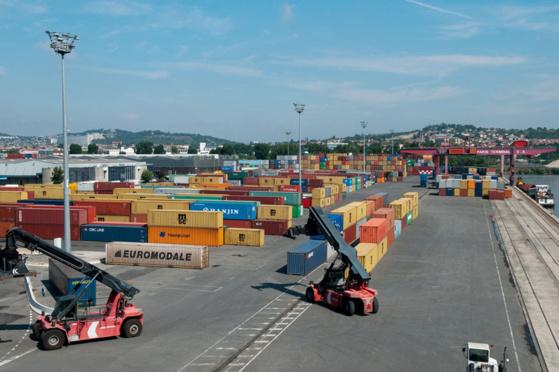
(503, 294)
(250, 329)
(225, 348)
(8, 361)
(270, 342)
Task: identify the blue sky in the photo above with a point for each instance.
(234, 68)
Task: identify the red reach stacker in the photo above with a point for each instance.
(345, 285)
(68, 322)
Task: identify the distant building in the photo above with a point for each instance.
(81, 139)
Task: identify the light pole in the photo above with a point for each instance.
(63, 43)
(288, 134)
(364, 125)
(299, 108)
(392, 141)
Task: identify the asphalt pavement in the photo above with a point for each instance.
(438, 288)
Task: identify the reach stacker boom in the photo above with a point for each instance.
(69, 322)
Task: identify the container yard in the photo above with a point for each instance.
(248, 264)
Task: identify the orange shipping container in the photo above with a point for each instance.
(185, 235)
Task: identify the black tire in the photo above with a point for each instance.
(309, 295)
(52, 339)
(376, 305)
(349, 307)
(35, 331)
(131, 328)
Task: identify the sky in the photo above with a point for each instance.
(233, 69)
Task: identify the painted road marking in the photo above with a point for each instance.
(4, 360)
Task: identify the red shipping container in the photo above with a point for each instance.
(50, 216)
(8, 212)
(239, 224)
(142, 217)
(350, 234)
(442, 192)
(4, 227)
(306, 202)
(404, 222)
(289, 188)
(374, 230)
(104, 223)
(271, 200)
(371, 207)
(496, 194)
(390, 236)
(107, 208)
(51, 231)
(107, 187)
(387, 213)
(250, 181)
(463, 192)
(378, 199)
(11, 188)
(277, 227)
(91, 212)
(315, 182)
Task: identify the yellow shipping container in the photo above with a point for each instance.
(178, 218)
(266, 181)
(365, 254)
(463, 184)
(274, 212)
(125, 190)
(92, 196)
(142, 206)
(282, 181)
(413, 195)
(415, 213)
(349, 215)
(360, 209)
(318, 193)
(319, 202)
(49, 193)
(471, 192)
(382, 248)
(456, 192)
(399, 207)
(142, 196)
(248, 237)
(103, 218)
(12, 196)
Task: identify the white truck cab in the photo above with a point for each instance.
(479, 358)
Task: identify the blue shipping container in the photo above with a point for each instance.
(113, 233)
(67, 281)
(306, 257)
(449, 191)
(231, 210)
(337, 220)
(43, 201)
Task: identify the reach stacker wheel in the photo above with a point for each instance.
(376, 305)
(309, 294)
(349, 307)
(131, 328)
(52, 339)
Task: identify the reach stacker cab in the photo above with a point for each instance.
(69, 322)
(345, 285)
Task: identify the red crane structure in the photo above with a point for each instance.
(519, 147)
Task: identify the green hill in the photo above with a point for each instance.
(155, 136)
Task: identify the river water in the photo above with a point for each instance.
(552, 181)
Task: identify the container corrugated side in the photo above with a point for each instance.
(142, 196)
(182, 218)
(66, 280)
(157, 255)
(275, 212)
(185, 235)
(306, 257)
(232, 210)
(360, 209)
(111, 233)
(12, 196)
(248, 237)
(143, 206)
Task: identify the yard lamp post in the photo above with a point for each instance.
(364, 125)
(299, 108)
(62, 44)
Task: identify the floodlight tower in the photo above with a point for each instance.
(364, 125)
(288, 134)
(299, 108)
(62, 44)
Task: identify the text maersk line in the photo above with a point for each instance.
(155, 255)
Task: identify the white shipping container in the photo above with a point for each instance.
(86, 186)
(157, 255)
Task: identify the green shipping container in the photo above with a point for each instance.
(409, 218)
(196, 197)
(291, 198)
(296, 211)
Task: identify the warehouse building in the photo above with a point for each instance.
(81, 169)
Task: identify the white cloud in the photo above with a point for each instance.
(287, 12)
(438, 9)
(156, 74)
(116, 8)
(220, 68)
(430, 65)
(460, 30)
(396, 96)
(532, 18)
